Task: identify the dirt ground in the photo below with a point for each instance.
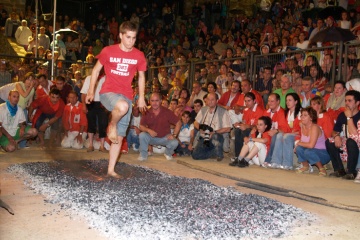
(35, 219)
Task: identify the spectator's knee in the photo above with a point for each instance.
(10, 148)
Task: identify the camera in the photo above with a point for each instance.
(207, 129)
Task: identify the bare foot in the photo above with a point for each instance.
(112, 134)
(114, 175)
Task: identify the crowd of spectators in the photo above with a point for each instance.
(289, 104)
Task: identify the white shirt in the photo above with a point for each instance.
(86, 86)
(213, 121)
(184, 134)
(234, 118)
(9, 123)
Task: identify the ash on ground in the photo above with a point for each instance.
(149, 204)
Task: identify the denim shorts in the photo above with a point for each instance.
(109, 100)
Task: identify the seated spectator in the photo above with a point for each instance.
(279, 123)
(257, 145)
(212, 88)
(134, 130)
(213, 123)
(230, 98)
(307, 91)
(323, 118)
(296, 74)
(173, 104)
(26, 90)
(47, 107)
(44, 87)
(13, 127)
(344, 143)
(186, 136)
(251, 114)
(285, 83)
(222, 79)
(264, 84)
(319, 80)
(284, 145)
(198, 104)
(245, 88)
(197, 93)
(155, 129)
(74, 122)
(311, 149)
(335, 101)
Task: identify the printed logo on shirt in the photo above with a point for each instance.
(122, 67)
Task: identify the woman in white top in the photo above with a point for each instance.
(344, 22)
(26, 90)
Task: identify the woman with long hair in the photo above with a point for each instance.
(284, 144)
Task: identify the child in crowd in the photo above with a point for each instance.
(257, 145)
(186, 136)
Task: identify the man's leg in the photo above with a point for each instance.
(120, 109)
(114, 154)
(353, 154)
(144, 139)
(218, 141)
(272, 147)
(335, 157)
(239, 139)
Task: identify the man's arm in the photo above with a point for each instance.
(94, 76)
(223, 130)
(147, 130)
(141, 101)
(7, 135)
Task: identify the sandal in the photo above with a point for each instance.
(303, 170)
(322, 172)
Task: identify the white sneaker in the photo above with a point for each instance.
(140, 158)
(169, 158)
(357, 179)
(286, 167)
(274, 165)
(266, 165)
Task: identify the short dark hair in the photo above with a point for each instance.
(340, 82)
(60, 78)
(40, 76)
(199, 102)
(175, 100)
(55, 91)
(277, 96)
(250, 95)
(214, 85)
(353, 93)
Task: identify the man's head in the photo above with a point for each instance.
(245, 86)
(274, 101)
(352, 99)
(60, 82)
(339, 88)
(196, 87)
(307, 84)
(14, 97)
(267, 73)
(128, 31)
(286, 82)
(155, 88)
(250, 100)
(211, 100)
(72, 98)
(43, 80)
(173, 104)
(198, 104)
(182, 102)
(54, 95)
(235, 86)
(155, 101)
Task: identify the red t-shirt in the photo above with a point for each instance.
(278, 120)
(120, 68)
(251, 116)
(265, 135)
(259, 100)
(159, 123)
(44, 105)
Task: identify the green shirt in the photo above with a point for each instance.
(283, 96)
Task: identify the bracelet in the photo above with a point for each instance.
(80, 134)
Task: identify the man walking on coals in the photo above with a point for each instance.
(120, 62)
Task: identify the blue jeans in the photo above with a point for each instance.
(133, 138)
(239, 139)
(272, 147)
(283, 153)
(312, 155)
(215, 148)
(358, 163)
(183, 150)
(146, 140)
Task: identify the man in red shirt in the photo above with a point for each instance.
(74, 122)
(250, 117)
(44, 87)
(279, 122)
(155, 129)
(230, 98)
(121, 62)
(245, 88)
(47, 107)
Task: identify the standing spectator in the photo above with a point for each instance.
(22, 34)
(74, 123)
(44, 40)
(264, 85)
(63, 87)
(44, 87)
(5, 75)
(11, 25)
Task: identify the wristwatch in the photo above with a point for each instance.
(348, 118)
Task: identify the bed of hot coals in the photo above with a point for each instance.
(148, 204)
